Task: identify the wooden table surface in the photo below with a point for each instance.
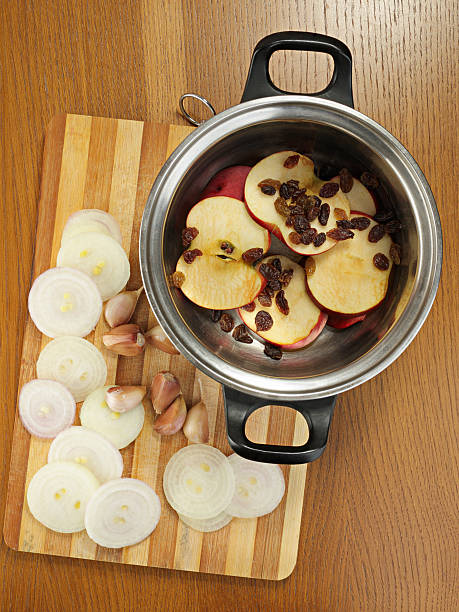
(380, 526)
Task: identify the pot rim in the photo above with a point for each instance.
(428, 271)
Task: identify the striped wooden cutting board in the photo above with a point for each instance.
(111, 164)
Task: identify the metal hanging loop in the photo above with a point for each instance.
(187, 115)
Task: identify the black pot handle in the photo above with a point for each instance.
(260, 85)
(318, 413)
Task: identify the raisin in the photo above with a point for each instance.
(310, 266)
(263, 321)
(294, 238)
(297, 194)
(190, 256)
(281, 207)
(286, 277)
(289, 221)
(324, 213)
(380, 261)
(340, 233)
(313, 200)
(249, 307)
(302, 200)
(177, 279)
(227, 247)
(273, 351)
(252, 255)
(345, 180)
(268, 290)
(291, 161)
(383, 216)
(271, 183)
(269, 272)
(319, 239)
(293, 183)
(340, 214)
(282, 303)
(296, 210)
(376, 233)
(215, 315)
(312, 212)
(300, 223)
(226, 322)
(275, 285)
(276, 263)
(369, 180)
(395, 253)
(284, 191)
(360, 223)
(393, 226)
(267, 189)
(240, 334)
(328, 190)
(344, 223)
(308, 235)
(188, 235)
(264, 299)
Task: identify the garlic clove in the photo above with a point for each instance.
(196, 427)
(157, 338)
(120, 308)
(124, 398)
(172, 419)
(164, 389)
(125, 340)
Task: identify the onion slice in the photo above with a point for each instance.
(91, 220)
(90, 449)
(46, 408)
(100, 257)
(122, 512)
(58, 495)
(120, 428)
(207, 525)
(259, 487)
(74, 362)
(64, 302)
(198, 481)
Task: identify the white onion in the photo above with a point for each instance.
(100, 257)
(74, 362)
(259, 487)
(58, 494)
(120, 428)
(207, 525)
(122, 512)
(46, 408)
(64, 302)
(198, 481)
(91, 220)
(90, 449)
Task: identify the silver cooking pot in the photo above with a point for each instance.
(326, 128)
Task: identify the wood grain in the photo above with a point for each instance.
(379, 525)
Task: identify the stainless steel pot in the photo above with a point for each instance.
(329, 130)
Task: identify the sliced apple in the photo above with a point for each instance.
(359, 197)
(225, 228)
(228, 182)
(291, 330)
(220, 284)
(311, 337)
(345, 279)
(262, 205)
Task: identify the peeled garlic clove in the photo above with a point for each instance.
(124, 398)
(164, 389)
(196, 427)
(172, 419)
(125, 340)
(120, 308)
(157, 338)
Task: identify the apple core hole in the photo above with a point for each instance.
(278, 425)
(300, 72)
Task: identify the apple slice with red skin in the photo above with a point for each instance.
(360, 198)
(341, 321)
(225, 221)
(323, 318)
(345, 280)
(262, 206)
(291, 331)
(228, 182)
(219, 284)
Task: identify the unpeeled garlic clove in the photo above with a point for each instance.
(125, 340)
(124, 398)
(120, 308)
(157, 338)
(164, 389)
(172, 419)
(196, 427)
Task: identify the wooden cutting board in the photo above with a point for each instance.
(91, 162)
